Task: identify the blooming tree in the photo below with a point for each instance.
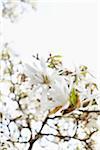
(46, 106)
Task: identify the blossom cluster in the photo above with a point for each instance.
(48, 101)
(59, 90)
(14, 8)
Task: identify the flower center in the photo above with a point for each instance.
(46, 80)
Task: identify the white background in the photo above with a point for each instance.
(67, 27)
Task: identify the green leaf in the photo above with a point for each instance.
(57, 56)
(54, 61)
(77, 148)
(73, 97)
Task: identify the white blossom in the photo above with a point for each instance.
(28, 97)
(60, 93)
(40, 73)
(14, 8)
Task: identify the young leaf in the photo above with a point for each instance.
(73, 97)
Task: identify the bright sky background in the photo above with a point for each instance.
(67, 27)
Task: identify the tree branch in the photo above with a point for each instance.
(38, 135)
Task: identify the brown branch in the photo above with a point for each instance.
(67, 138)
(38, 135)
(89, 111)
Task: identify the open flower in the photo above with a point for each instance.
(55, 98)
(41, 74)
